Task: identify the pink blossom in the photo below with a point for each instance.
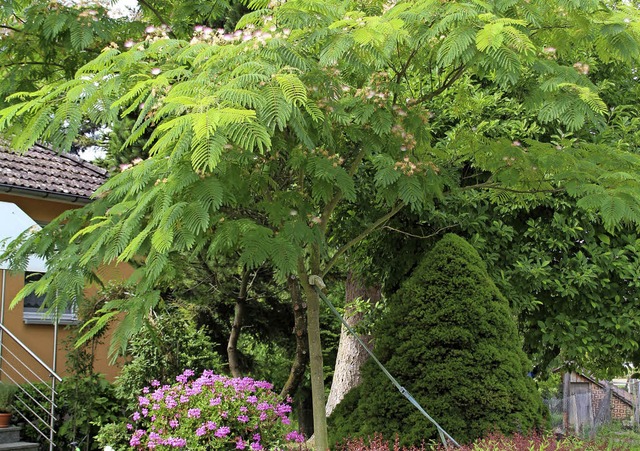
(295, 436)
(193, 413)
(222, 431)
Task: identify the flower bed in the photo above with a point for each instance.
(212, 412)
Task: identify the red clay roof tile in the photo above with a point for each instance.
(46, 171)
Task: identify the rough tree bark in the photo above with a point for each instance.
(351, 356)
(232, 345)
(299, 365)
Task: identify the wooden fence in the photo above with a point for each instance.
(585, 407)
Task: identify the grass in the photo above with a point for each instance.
(618, 437)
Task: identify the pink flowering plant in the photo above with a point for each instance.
(212, 412)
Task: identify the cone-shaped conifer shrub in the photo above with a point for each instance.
(450, 338)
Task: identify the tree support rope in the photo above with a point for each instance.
(318, 284)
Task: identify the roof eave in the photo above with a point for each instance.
(36, 193)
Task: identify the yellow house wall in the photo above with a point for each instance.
(39, 338)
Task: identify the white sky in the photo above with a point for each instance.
(122, 7)
(119, 8)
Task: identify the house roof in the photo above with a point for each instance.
(619, 393)
(41, 171)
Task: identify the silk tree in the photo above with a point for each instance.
(257, 136)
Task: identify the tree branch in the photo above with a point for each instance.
(328, 209)
(450, 80)
(38, 63)
(372, 228)
(18, 18)
(7, 27)
(493, 185)
(156, 13)
(403, 71)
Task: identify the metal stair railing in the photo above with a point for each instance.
(30, 405)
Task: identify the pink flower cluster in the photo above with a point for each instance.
(251, 33)
(212, 411)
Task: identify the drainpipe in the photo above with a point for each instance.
(38, 194)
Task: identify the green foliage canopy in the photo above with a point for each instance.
(568, 275)
(48, 41)
(257, 135)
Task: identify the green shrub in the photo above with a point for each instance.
(83, 403)
(161, 350)
(113, 435)
(7, 395)
(450, 338)
(618, 436)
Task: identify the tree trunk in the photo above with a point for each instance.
(232, 345)
(321, 442)
(296, 375)
(351, 356)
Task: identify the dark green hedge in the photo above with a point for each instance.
(450, 338)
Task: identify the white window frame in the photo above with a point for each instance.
(36, 315)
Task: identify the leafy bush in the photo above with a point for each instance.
(212, 412)
(82, 405)
(7, 395)
(114, 436)
(162, 349)
(450, 338)
(85, 403)
(618, 435)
